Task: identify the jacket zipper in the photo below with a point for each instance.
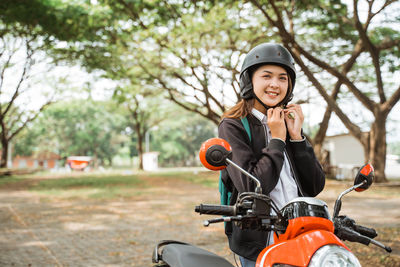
(294, 174)
(290, 163)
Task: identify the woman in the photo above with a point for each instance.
(276, 152)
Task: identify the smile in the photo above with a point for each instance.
(272, 93)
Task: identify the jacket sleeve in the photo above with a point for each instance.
(266, 168)
(311, 175)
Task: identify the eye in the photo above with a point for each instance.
(283, 78)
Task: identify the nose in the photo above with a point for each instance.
(274, 83)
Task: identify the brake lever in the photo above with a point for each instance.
(379, 244)
(346, 233)
(206, 223)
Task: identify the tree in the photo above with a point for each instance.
(179, 139)
(77, 127)
(143, 111)
(190, 53)
(196, 60)
(77, 23)
(28, 29)
(18, 54)
(308, 29)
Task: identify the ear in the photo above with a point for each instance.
(246, 86)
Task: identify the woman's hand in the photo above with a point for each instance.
(276, 123)
(294, 121)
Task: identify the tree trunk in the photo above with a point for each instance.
(321, 134)
(377, 147)
(4, 153)
(140, 149)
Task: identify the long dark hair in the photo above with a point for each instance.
(240, 110)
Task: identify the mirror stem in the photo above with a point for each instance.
(258, 187)
(338, 203)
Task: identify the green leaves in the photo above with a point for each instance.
(79, 127)
(63, 20)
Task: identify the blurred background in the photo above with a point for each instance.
(108, 84)
(104, 105)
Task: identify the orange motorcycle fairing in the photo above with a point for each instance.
(297, 246)
(302, 225)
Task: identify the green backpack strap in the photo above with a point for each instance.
(246, 125)
(224, 193)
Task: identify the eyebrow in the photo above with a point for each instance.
(283, 73)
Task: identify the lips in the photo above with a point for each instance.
(272, 94)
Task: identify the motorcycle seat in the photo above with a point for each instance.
(183, 255)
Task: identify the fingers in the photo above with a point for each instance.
(294, 120)
(291, 114)
(276, 123)
(275, 113)
(296, 110)
(269, 112)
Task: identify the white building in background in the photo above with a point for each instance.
(150, 161)
(346, 155)
(392, 169)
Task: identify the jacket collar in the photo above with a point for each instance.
(259, 115)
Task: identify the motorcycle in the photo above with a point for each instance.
(303, 225)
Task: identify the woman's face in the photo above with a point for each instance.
(270, 84)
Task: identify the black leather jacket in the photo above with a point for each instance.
(265, 162)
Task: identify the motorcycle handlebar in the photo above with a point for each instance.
(216, 209)
(346, 233)
(344, 221)
(369, 232)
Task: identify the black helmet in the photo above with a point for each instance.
(267, 53)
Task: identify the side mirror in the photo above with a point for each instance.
(363, 181)
(366, 173)
(214, 152)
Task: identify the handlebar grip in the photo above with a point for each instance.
(215, 209)
(346, 233)
(370, 232)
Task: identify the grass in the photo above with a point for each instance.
(90, 186)
(104, 185)
(4, 180)
(94, 181)
(205, 178)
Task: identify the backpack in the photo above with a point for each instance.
(225, 194)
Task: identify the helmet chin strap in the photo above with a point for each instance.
(268, 107)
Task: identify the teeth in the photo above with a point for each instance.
(271, 93)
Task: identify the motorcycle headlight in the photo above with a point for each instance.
(332, 256)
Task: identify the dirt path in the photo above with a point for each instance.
(43, 232)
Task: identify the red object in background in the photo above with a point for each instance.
(78, 162)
